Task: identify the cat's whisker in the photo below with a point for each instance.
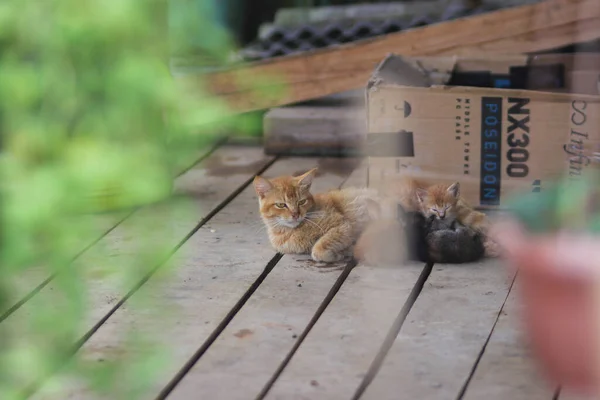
(257, 223)
(315, 214)
(263, 224)
(315, 224)
(260, 229)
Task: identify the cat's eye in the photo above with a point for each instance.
(302, 202)
(280, 205)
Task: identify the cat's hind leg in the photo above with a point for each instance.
(334, 244)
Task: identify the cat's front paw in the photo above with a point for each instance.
(321, 255)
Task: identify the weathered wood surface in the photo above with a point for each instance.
(161, 226)
(506, 369)
(329, 126)
(432, 357)
(96, 227)
(267, 327)
(566, 394)
(340, 348)
(257, 340)
(217, 265)
(542, 26)
(315, 130)
(24, 285)
(443, 333)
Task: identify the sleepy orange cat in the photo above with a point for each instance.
(325, 225)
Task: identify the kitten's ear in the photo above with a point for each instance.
(306, 179)
(421, 195)
(262, 186)
(454, 189)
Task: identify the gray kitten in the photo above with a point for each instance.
(448, 241)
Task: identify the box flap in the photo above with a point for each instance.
(397, 70)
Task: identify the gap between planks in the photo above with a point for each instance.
(334, 290)
(278, 288)
(321, 184)
(460, 341)
(505, 368)
(234, 277)
(259, 343)
(465, 386)
(225, 192)
(389, 340)
(31, 293)
(452, 331)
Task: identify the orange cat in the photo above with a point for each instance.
(325, 225)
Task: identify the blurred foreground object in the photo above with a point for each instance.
(91, 121)
(88, 100)
(553, 241)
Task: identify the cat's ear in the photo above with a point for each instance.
(421, 195)
(454, 189)
(306, 180)
(262, 186)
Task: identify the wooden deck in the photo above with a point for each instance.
(242, 322)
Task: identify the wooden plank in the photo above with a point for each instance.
(259, 337)
(164, 225)
(25, 283)
(340, 348)
(444, 333)
(536, 27)
(545, 39)
(218, 264)
(566, 394)
(99, 225)
(506, 370)
(315, 130)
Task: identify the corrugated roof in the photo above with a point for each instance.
(286, 40)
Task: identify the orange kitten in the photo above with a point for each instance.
(324, 225)
(444, 202)
(450, 231)
(403, 191)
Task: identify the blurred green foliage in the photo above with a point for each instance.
(91, 120)
(567, 204)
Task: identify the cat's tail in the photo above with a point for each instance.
(381, 243)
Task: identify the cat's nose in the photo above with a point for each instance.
(295, 215)
(442, 214)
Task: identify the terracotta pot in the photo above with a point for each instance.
(556, 275)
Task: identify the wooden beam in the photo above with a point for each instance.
(542, 26)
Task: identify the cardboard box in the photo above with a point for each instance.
(493, 140)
